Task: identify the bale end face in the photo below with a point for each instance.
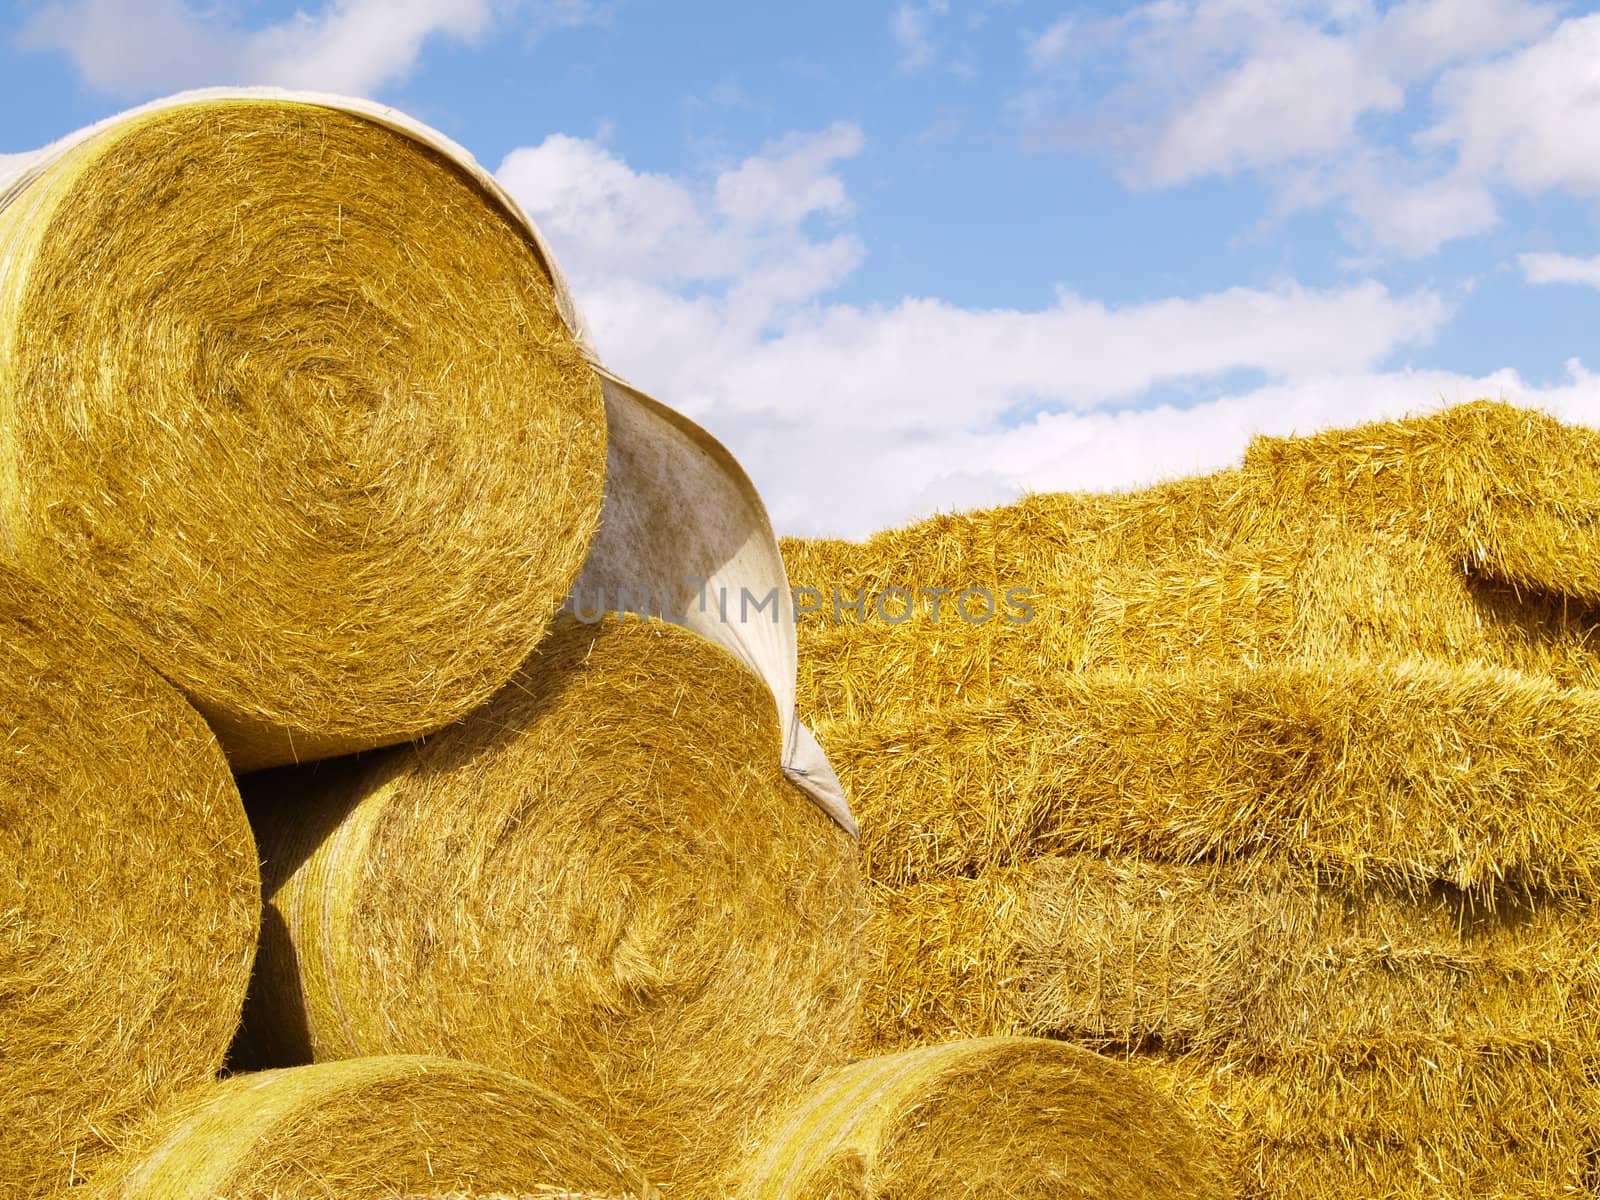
(1020, 1117)
(286, 400)
(602, 881)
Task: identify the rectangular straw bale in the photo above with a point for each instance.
(1516, 490)
(1134, 953)
(1314, 594)
(1127, 954)
(1405, 775)
(1038, 539)
(945, 962)
(1473, 1074)
(1422, 539)
(1430, 1118)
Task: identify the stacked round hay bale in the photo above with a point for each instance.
(381, 1127)
(288, 402)
(601, 882)
(129, 899)
(999, 1116)
(1286, 792)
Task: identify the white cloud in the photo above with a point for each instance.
(358, 45)
(1120, 449)
(1417, 39)
(1300, 97)
(1049, 47)
(750, 235)
(1560, 268)
(1533, 119)
(350, 46)
(1306, 95)
(1399, 212)
(911, 28)
(713, 294)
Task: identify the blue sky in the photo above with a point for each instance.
(908, 256)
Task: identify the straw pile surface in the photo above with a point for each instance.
(1330, 1040)
(1403, 773)
(129, 896)
(1013, 1117)
(1287, 794)
(285, 400)
(602, 882)
(382, 1128)
(1350, 915)
(1397, 1118)
(1467, 535)
(1123, 954)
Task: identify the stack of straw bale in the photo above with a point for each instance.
(1287, 794)
(302, 451)
(1399, 772)
(601, 882)
(129, 897)
(1341, 545)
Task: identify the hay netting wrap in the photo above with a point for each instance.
(1403, 773)
(383, 1127)
(287, 400)
(601, 881)
(1467, 535)
(129, 899)
(684, 537)
(1018, 1117)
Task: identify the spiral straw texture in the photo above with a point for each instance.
(381, 1128)
(1014, 1117)
(286, 400)
(601, 882)
(129, 895)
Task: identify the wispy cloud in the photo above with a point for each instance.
(715, 292)
(1311, 97)
(1532, 119)
(133, 49)
(911, 26)
(1560, 268)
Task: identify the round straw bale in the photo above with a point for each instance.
(129, 895)
(601, 880)
(286, 401)
(1016, 1117)
(388, 1127)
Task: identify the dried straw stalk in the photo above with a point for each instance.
(286, 401)
(129, 895)
(601, 882)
